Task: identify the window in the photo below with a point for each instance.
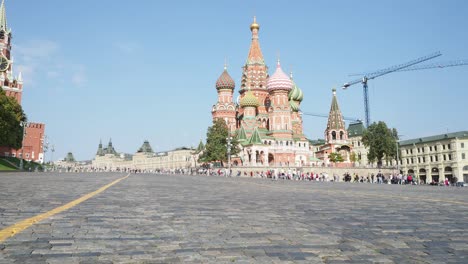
(419, 160)
(448, 146)
(445, 157)
(424, 159)
(443, 147)
(407, 152)
(450, 156)
(412, 161)
(435, 148)
(431, 158)
(430, 148)
(462, 145)
(418, 150)
(463, 155)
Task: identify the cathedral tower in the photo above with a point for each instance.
(225, 107)
(255, 74)
(279, 86)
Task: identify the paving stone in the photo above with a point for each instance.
(197, 219)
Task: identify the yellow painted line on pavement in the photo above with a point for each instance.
(22, 225)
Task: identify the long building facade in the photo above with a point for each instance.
(145, 159)
(34, 137)
(435, 158)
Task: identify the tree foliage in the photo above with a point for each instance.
(11, 114)
(354, 157)
(336, 157)
(381, 142)
(216, 143)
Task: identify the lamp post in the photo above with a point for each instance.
(24, 125)
(229, 145)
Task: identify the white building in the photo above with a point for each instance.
(436, 157)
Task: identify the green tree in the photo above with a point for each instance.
(353, 157)
(216, 143)
(336, 157)
(381, 142)
(11, 114)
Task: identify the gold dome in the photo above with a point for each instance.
(254, 25)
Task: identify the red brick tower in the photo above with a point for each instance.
(33, 142)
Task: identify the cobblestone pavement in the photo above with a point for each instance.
(198, 219)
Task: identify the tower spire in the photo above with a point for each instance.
(255, 53)
(3, 20)
(335, 119)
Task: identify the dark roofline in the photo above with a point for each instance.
(460, 134)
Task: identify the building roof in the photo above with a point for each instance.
(356, 129)
(255, 138)
(69, 157)
(255, 53)
(145, 148)
(296, 93)
(249, 100)
(225, 81)
(335, 118)
(314, 142)
(460, 134)
(279, 80)
(3, 19)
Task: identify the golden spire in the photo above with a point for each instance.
(254, 25)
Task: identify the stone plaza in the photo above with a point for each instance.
(150, 218)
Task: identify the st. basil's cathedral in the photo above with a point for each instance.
(267, 120)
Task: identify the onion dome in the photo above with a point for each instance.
(296, 94)
(279, 80)
(225, 81)
(294, 106)
(254, 25)
(249, 100)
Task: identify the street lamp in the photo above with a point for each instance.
(229, 145)
(397, 141)
(24, 125)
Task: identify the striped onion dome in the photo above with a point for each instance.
(249, 100)
(296, 94)
(225, 81)
(279, 80)
(294, 106)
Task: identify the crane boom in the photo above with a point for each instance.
(373, 75)
(428, 66)
(379, 73)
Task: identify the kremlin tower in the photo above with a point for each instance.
(34, 137)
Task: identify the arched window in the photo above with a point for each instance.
(333, 135)
(341, 135)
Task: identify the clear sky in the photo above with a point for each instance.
(136, 70)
